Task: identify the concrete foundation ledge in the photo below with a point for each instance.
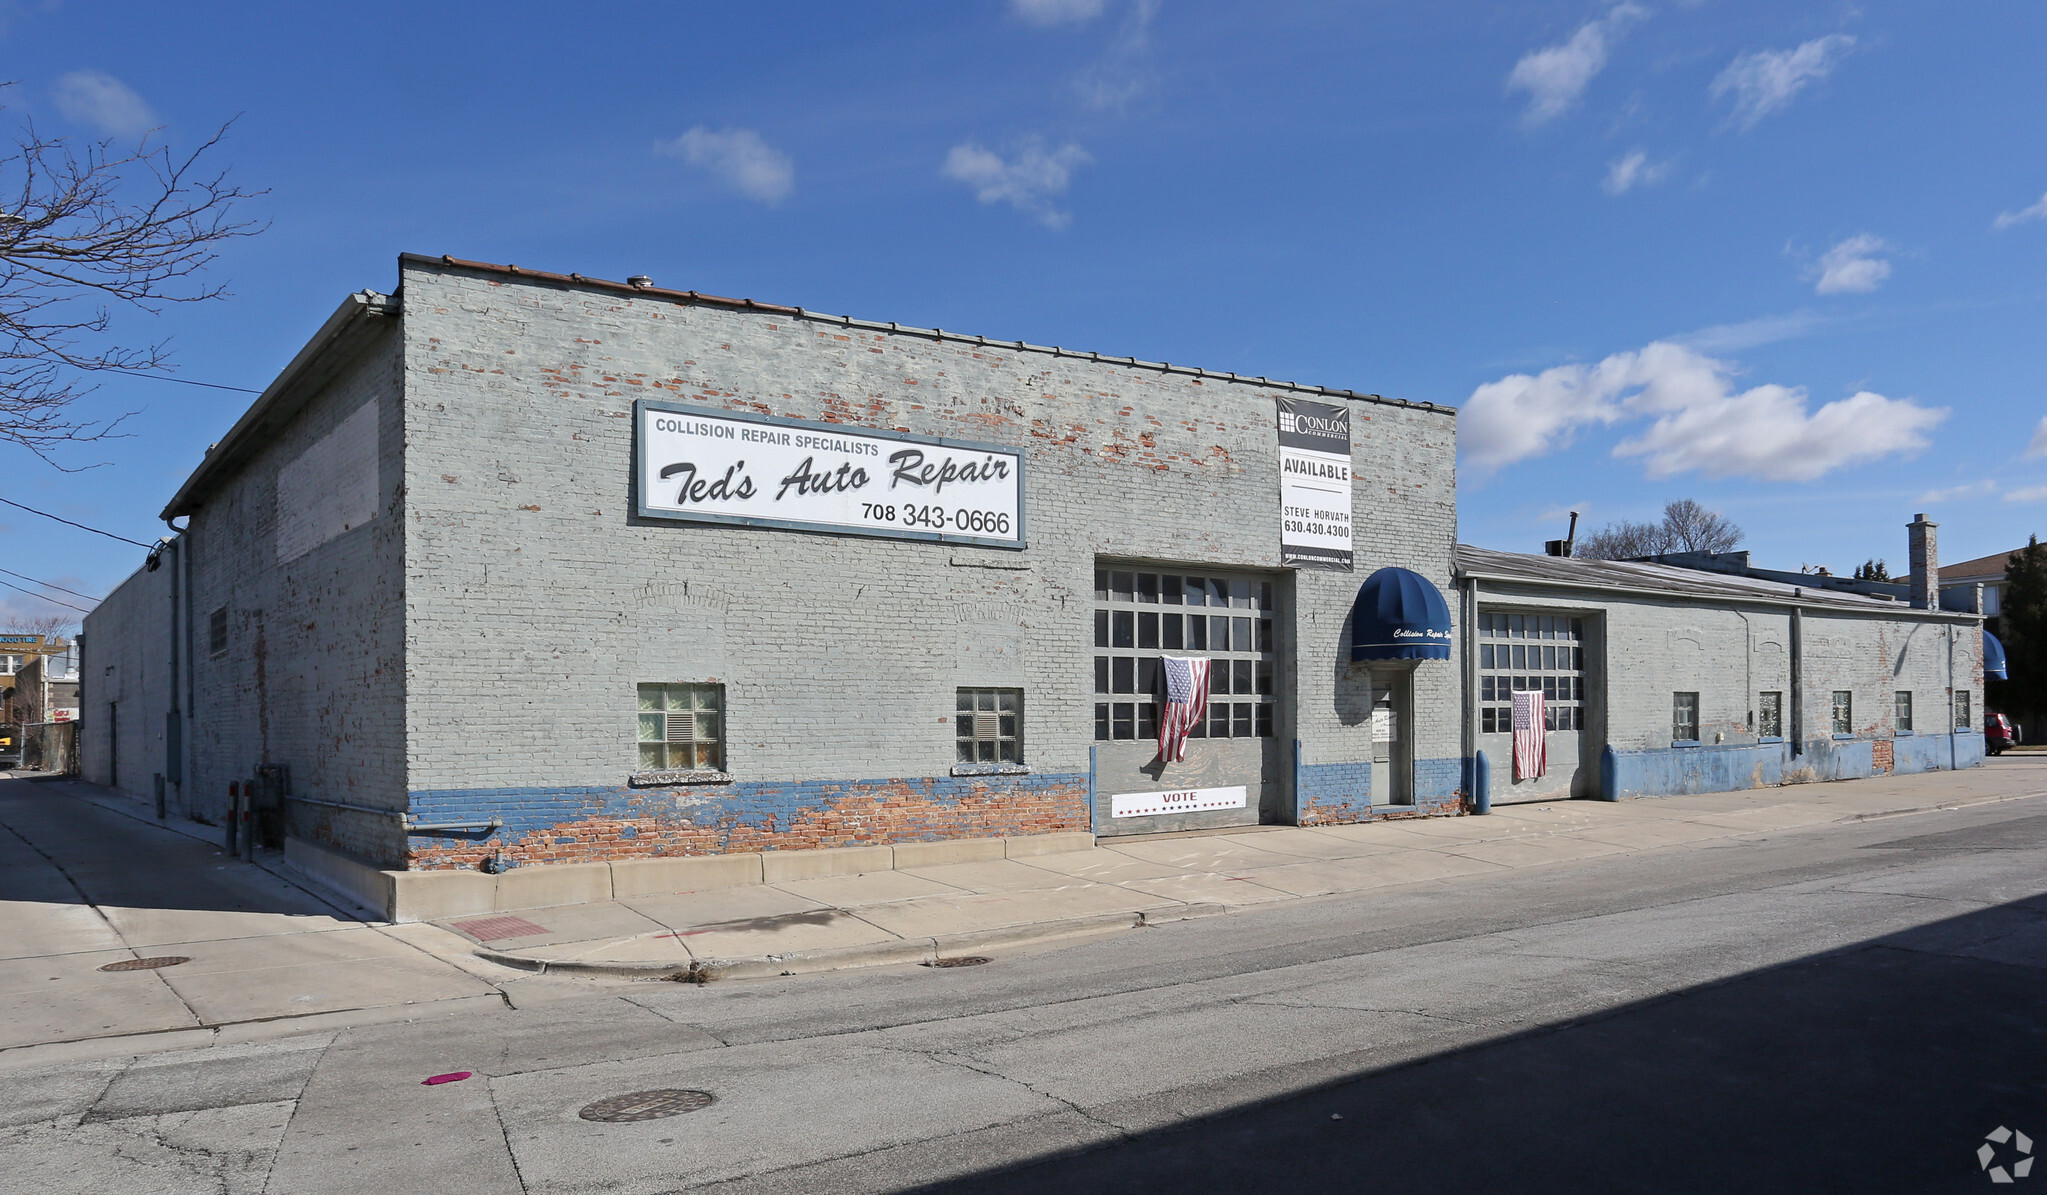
(339, 873)
(782, 866)
(432, 895)
(695, 873)
(550, 884)
(960, 850)
(1025, 846)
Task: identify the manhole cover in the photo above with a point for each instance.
(965, 960)
(146, 964)
(647, 1105)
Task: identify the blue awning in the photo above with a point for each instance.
(1399, 615)
(1993, 658)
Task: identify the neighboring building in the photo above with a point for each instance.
(1669, 680)
(1959, 582)
(46, 706)
(423, 573)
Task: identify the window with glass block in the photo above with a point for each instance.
(1542, 653)
(988, 726)
(682, 728)
(1142, 615)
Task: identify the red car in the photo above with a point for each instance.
(1998, 733)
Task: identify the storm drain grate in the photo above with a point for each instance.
(146, 964)
(494, 929)
(647, 1105)
(964, 960)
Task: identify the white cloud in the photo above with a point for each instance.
(1852, 267)
(1026, 181)
(1056, 12)
(1699, 421)
(2029, 494)
(1768, 329)
(98, 99)
(2036, 212)
(1767, 80)
(1632, 170)
(1123, 72)
(1555, 76)
(739, 158)
(2038, 446)
(1955, 493)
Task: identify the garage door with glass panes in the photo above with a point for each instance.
(1544, 653)
(1142, 615)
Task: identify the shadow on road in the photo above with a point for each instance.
(1879, 1067)
(58, 848)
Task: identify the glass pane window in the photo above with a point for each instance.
(1962, 711)
(1553, 667)
(1684, 717)
(1844, 711)
(988, 726)
(681, 727)
(1770, 716)
(1141, 617)
(1902, 703)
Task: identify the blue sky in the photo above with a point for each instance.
(1784, 259)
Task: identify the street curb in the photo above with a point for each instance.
(869, 954)
(1885, 813)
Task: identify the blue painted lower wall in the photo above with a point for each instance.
(1711, 769)
(1332, 793)
(569, 824)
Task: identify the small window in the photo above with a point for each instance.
(682, 728)
(988, 725)
(1962, 710)
(1844, 711)
(1684, 717)
(1770, 716)
(1904, 710)
(216, 632)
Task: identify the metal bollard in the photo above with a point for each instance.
(1481, 783)
(234, 805)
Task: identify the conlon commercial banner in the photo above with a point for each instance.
(1314, 485)
(715, 466)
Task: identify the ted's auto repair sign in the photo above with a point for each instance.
(716, 466)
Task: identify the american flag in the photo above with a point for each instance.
(1531, 746)
(1186, 705)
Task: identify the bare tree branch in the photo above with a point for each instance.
(86, 228)
(1686, 527)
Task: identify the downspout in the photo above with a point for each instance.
(1953, 761)
(181, 650)
(1797, 679)
(1748, 667)
(1481, 801)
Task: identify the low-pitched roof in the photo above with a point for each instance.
(1983, 568)
(1659, 579)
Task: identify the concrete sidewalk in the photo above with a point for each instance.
(923, 914)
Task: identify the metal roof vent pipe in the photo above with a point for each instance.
(640, 280)
(1924, 586)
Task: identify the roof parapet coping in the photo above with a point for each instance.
(281, 399)
(692, 297)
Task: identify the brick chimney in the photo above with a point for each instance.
(1924, 587)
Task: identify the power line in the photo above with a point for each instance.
(45, 597)
(81, 526)
(184, 381)
(46, 585)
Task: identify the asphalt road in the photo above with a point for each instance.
(1839, 1007)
